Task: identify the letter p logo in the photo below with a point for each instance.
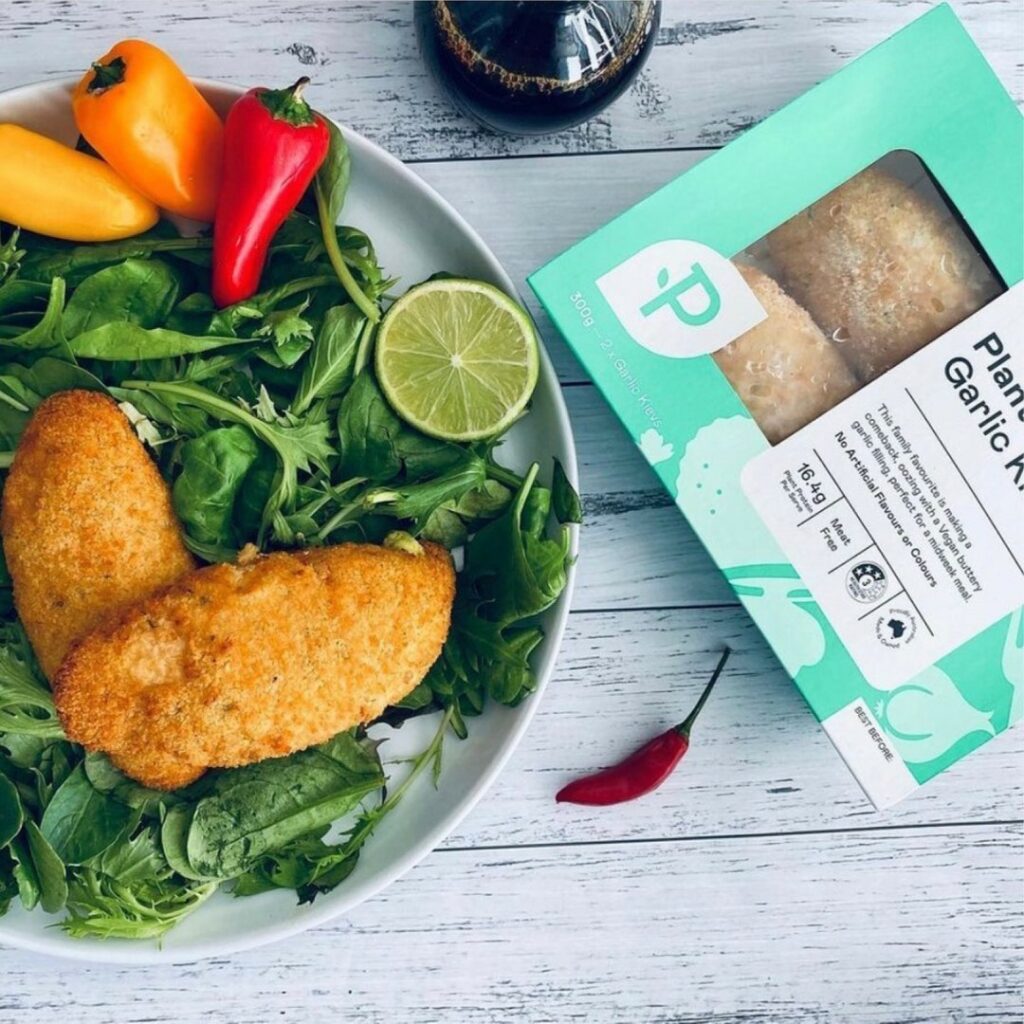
(680, 299)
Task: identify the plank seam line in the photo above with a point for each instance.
(650, 840)
(657, 608)
(500, 157)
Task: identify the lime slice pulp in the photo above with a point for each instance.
(457, 359)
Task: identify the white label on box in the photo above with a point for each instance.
(866, 749)
(902, 508)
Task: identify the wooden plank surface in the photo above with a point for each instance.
(758, 886)
(912, 926)
(758, 765)
(716, 69)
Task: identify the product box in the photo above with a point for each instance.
(816, 338)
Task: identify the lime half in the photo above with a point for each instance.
(457, 359)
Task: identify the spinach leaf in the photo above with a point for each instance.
(12, 815)
(22, 388)
(255, 493)
(19, 296)
(107, 778)
(374, 443)
(49, 331)
(564, 499)
(8, 886)
(81, 822)
(308, 865)
(174, 832)
(47, 258)
(46, 376)
(26, 875)
(56, 763)
(50, 873)
(334, 176)
(214, 467)
(330, 188)
(254, 810)
(131, 343)
(140, 292)
(329, 367)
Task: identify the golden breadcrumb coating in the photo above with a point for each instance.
(236, 663)
(87, 522)
(785, 371)
(882, 269)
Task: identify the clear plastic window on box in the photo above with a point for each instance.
(852, 285)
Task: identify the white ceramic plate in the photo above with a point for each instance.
(416, 234)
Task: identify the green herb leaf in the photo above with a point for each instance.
(417, 502)
(512, 572)
(26, 704)
(10, 254)
(130, 892)
(330, 188)
(298, 444)
(328, 369)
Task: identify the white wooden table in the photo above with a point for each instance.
(758, 886)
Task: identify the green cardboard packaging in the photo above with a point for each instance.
(878, 542)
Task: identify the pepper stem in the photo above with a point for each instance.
(684, 727)
(288, 104)
(107, 75)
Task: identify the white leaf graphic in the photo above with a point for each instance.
(654, 447)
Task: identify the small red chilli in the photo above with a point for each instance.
(274, 144)
(645, 769)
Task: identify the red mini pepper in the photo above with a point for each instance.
(273, 146)
(646, 768)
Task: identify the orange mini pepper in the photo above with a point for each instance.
(141, 113)
(55, 190)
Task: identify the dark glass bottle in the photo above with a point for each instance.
(529, 68)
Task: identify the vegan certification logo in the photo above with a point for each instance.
(867, 582)
(679, 299)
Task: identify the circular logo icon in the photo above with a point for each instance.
(895, 627)
(867, 582)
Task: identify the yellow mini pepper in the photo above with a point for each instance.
(141, 113)
(55, 190)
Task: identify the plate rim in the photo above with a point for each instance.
(328, 909)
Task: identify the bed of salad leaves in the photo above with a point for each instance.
(268, 423)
